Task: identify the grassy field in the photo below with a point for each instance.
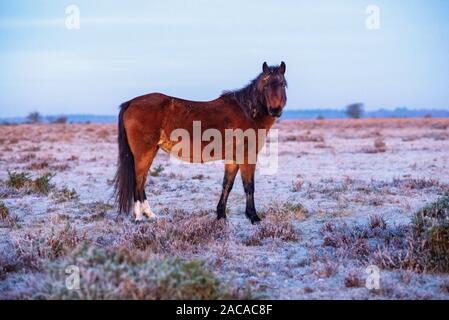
(348, 194)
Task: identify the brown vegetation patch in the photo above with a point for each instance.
(422, 246)
(278, 223)
(180, 231)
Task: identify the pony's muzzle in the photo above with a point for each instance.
(276, 112)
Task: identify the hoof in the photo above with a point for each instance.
(138, 219)
(221, 216)
(221, 212)
(147, 211)
(255, 219)
(150, 215)
(138, 212)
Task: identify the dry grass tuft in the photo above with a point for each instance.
(39, 165)
(178, 232)
(419, 184)
(376, 221)
(287, 210)
(297, 185)
(380, 145)
(353, 280)
(278, 223)
(95, 210)
(4, 211)
(64, 195)
(8, 219)
(35, 248)
(327, 270)
(445, 286)
(358, 242)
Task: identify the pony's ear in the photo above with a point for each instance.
(265, 67)
(282, 67)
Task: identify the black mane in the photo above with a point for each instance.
(250, 98)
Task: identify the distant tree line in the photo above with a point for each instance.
(35, 117)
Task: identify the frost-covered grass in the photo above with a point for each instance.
(123, 274)
(347, 195)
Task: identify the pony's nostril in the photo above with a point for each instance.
(276, 112)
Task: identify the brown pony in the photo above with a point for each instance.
(145, 124)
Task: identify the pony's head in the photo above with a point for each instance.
(272, 84)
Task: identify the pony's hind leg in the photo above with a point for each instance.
(146, 205)
(143, 161)
(143, 153)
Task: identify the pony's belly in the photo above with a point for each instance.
(188, 150)
(181, 155)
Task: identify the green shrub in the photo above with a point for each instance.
(156, 172)
(431, 225)
(10, 220)
(42, 183)
(18, 180)
(4, 211)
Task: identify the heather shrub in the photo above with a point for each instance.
(124, 274)
(431, 225)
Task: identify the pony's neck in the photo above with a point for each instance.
(250, 100)
(265, 120)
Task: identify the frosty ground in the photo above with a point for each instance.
(343, 199)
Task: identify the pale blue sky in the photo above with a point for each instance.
(196, 49)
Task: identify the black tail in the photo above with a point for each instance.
(125, 178)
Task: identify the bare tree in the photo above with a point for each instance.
(355, 110)
(34, 117)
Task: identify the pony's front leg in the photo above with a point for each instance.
(247, 173)
(228, 181)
